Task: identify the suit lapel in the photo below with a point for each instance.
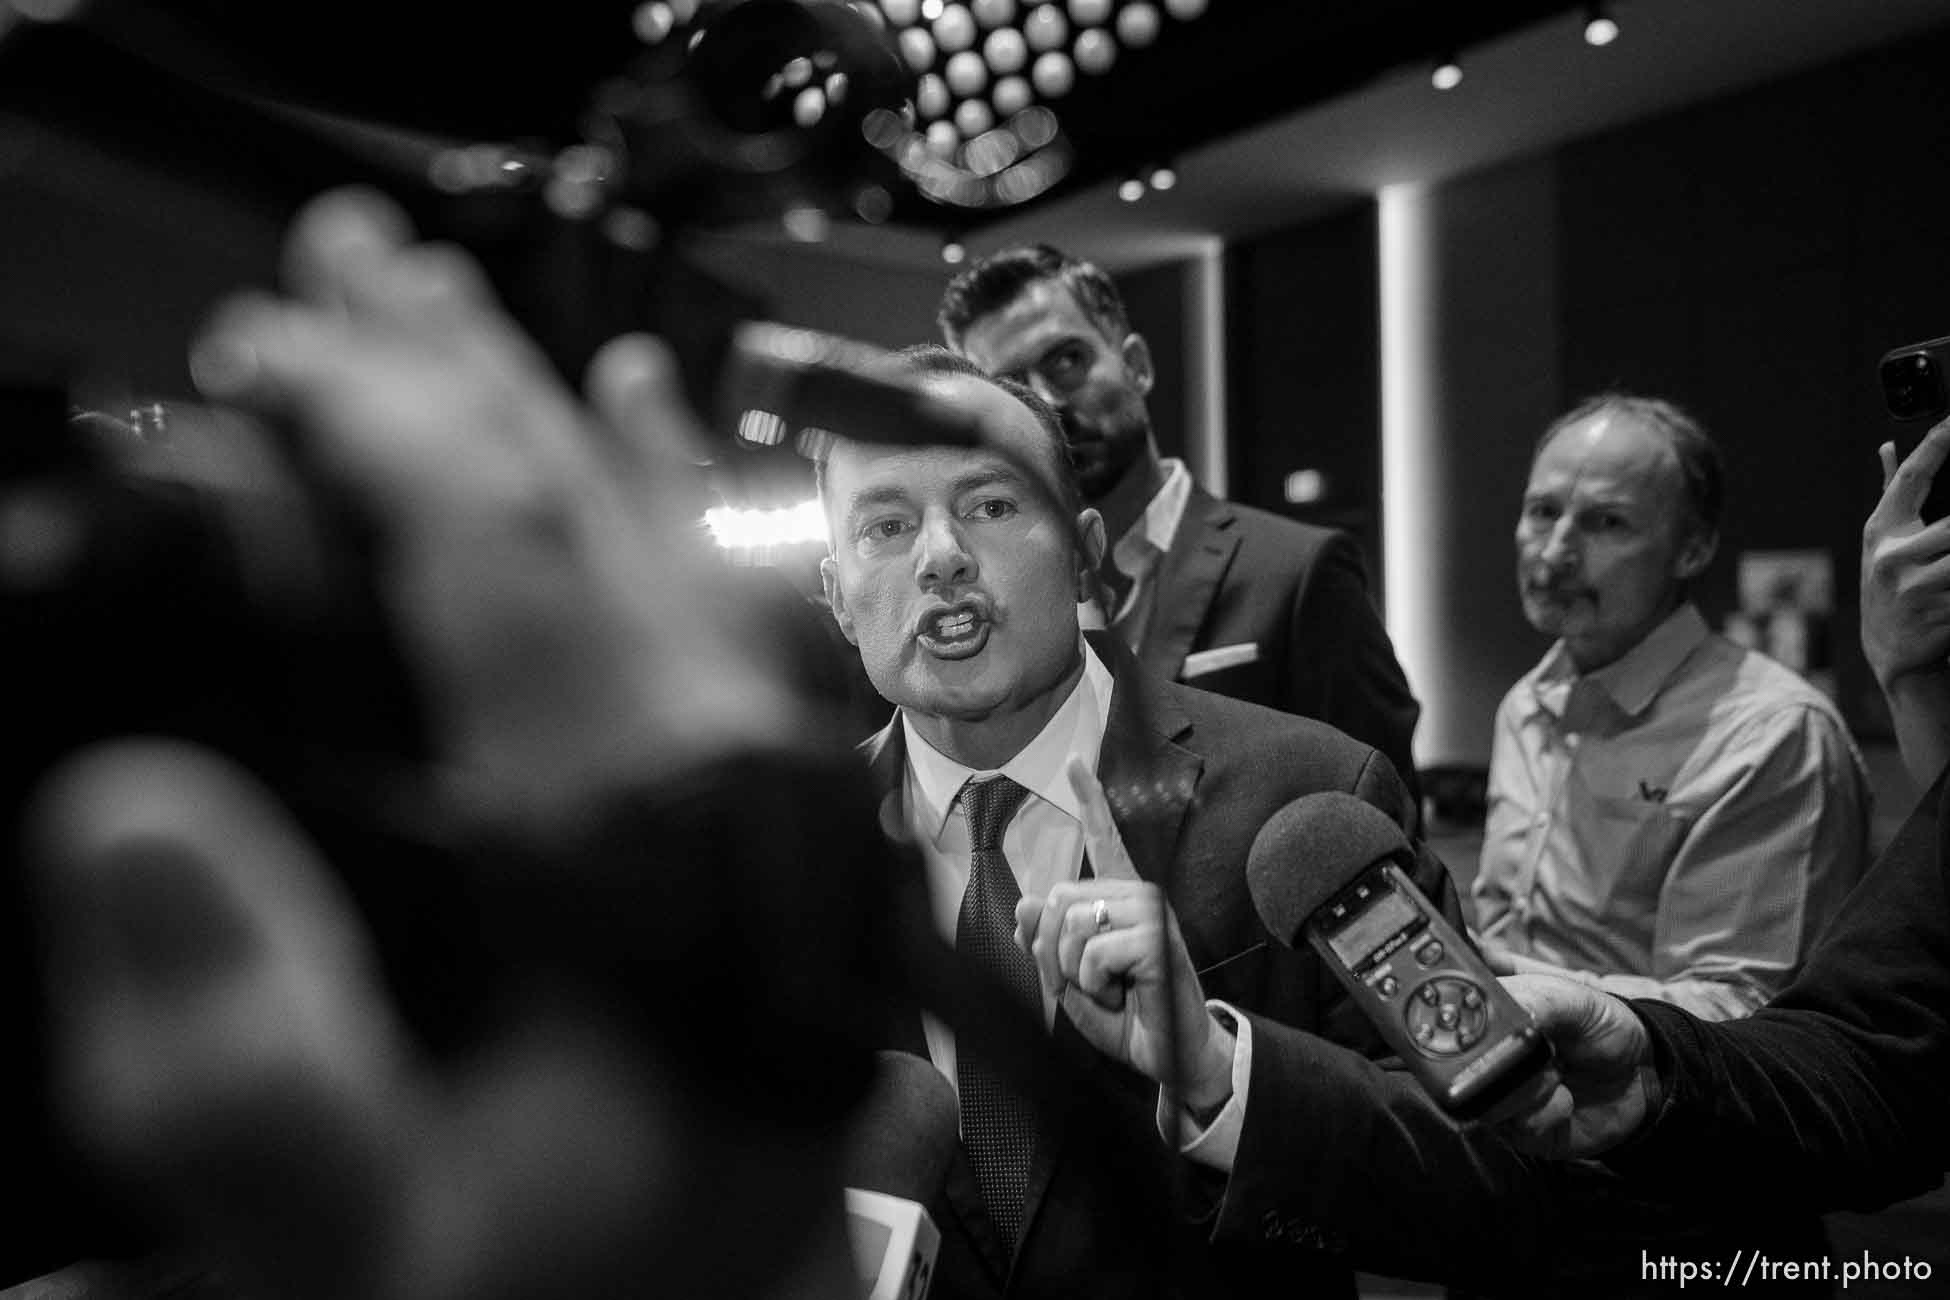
(1149, 781)
(1188, 582)
(1147, 776)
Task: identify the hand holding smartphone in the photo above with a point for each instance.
(1917, 392)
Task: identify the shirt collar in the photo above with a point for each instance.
(1157, 527)
(1077, 727)
(1635, 677)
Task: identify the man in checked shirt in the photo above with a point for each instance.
(1670, 815)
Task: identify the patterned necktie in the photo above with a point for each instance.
(998, 1124)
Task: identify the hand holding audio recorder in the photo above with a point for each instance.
(1423, 985)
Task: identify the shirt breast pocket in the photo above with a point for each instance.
(1627, 843)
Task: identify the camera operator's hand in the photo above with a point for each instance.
(1906, 604)
(224, 1042)
(222, 1034)
(1603, 1068)
(1109, 950)
(544, 559)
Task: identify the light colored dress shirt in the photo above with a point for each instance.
(1216, 1145)
(1138, 553)
(1044, 845)
(1680, 824)
(1043, 841)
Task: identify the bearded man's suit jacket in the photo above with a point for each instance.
(1267, 609)
(1191, 778)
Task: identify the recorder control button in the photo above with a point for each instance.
(1429, 953)
(1388, 986)
(1446, 1016)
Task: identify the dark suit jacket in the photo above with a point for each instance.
(1238, 576)
(1831, 1096)
(1191, 778)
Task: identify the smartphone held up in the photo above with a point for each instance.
(1917, 392)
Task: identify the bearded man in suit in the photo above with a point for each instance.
(1217, 595)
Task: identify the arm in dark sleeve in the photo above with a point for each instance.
(1831, 1096)
(1342, 1157)
(1342, 1152)
(1344, 671)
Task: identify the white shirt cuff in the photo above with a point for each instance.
(1217, 1144)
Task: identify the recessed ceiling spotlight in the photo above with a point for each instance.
(1045, 28)
(1448, 75)
(1096, 51)
(1010, 96)
(1137, 24)
(1600, 28)
(954, 29)
(653, 21)
(1053, 74)
(1005, 50)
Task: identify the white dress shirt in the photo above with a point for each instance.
(1139, 552)
(1043, 841)
(1044, 845)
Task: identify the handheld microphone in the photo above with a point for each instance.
(1327, 866)
(903, 1140)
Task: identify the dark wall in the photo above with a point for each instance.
(1750, 258)
(1498, 347)
(1155, 300)
(108, 266)
(1304, 371)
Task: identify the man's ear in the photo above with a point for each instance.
(1090, 551)
(829, 579)
(1696, 553)
(1137, 361)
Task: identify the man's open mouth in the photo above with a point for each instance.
(954, 633)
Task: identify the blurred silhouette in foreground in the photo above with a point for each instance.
(676, 1003)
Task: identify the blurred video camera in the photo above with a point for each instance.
(182, 571)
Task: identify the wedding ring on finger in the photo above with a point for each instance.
(1100, 915)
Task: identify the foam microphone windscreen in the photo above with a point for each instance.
(904, 1134)
(1309, 850)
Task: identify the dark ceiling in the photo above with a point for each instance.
(499, 72)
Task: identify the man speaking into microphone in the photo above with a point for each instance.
(956, 571)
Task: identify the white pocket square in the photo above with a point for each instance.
(1201, 662)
